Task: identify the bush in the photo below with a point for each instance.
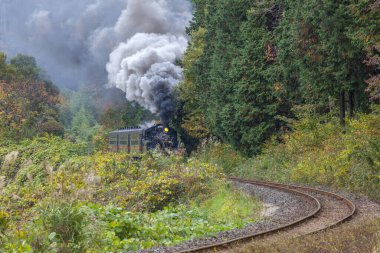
(4, 222)
(62, 200)
(63, 220)
(66, 225)
(320, 152)
(228, 205)
(223, 155)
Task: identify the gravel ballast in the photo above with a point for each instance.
(283, 208)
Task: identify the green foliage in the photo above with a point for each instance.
(318, 152)
(26, 67)
(52, 127)
(65, 223)
(88, 112)
(83, 125)
(155, 181)
(316, 53)
(77, 113)
(366, 33)
(126, 115)
(6, 70)
(250, 62)
(134, 231)
(58, 199)
(224, 156)
(194, 121)
(229, 205)
(4, 222)
(66, 227)
(33, 156)
(229, 88)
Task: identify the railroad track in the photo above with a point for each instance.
(329, 211)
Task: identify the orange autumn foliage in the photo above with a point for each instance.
(24, 106)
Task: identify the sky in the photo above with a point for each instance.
(73, 40)
(132, 45)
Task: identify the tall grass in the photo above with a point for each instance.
(229, 205)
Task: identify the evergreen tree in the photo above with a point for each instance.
(316, 53)
(229, 86)
(250, 62)
(366, 32)
(257, 95)
(84, 125)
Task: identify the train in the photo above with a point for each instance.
(139, 140)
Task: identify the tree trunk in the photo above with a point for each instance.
(342, 108)
(351, 103)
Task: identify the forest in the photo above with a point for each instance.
(277, 90)
(252, 64)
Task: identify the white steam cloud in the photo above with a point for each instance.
(144, 68)
(129, 44)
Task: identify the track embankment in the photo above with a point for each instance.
(330, 210)
(298, 211)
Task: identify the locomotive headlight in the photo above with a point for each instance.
(166, 130)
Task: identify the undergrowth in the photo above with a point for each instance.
(229, 205)
(54, 197)
(318, 151)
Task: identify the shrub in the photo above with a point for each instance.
(320, 152)
(63, 219)
(228, 205)
(4, 222)
(64, 200)
(64, 223)
(223, 155)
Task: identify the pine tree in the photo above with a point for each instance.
(251, 62)
(316, 53)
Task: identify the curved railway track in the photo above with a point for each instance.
(329, 211)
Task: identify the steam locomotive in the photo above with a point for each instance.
(139, 140)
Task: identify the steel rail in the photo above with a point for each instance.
(266, 232)
(348, 202)
(283, 187)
